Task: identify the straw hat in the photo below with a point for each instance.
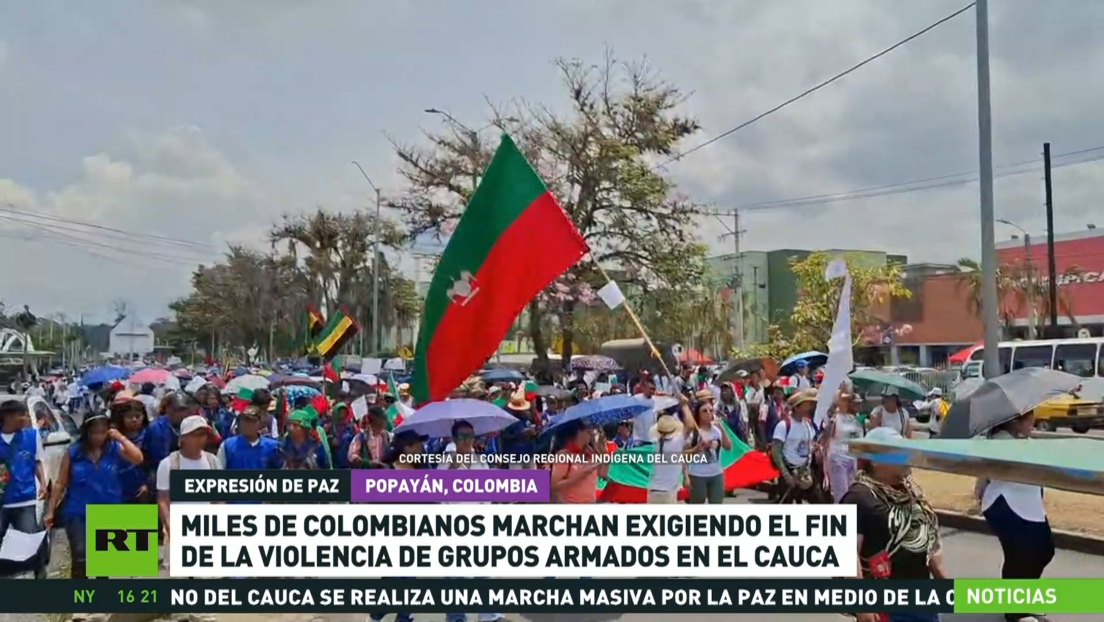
(518, 402)
(809, 395)
(665, 425)
(703, 394)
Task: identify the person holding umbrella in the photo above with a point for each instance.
(1016, 514)
(800, 381)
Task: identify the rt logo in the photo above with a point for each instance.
(123, 539)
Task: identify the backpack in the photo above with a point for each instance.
(364, 455)
(212, 461)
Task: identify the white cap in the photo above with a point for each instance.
(935, 392)
(193, 423)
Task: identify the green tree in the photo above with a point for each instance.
(811, 321)
(597, 159)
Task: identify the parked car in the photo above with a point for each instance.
(1069, 411)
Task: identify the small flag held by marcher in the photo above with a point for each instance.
(511, 242)
(315, 320)
(611, 295)
(337, 332)
(397, 411)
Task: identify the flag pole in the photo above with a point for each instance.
(635, 319)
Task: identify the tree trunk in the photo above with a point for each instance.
(536, 334)
(567, 329)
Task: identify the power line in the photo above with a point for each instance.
(845, 195)
(919, 185)
(129, 234)
(816, 88)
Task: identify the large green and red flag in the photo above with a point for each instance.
(512, 240)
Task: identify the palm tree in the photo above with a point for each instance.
(969, 279)
(1019, 287)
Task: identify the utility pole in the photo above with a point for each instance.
(737, 275)
(1033, 279)
(1052, 270)
(374, 344)
(739, 279)
(985, 161)
(755, 299)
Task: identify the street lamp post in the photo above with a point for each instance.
(1031, 281)
(374, 342)
(985, 160)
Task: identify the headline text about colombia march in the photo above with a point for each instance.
(525, 540)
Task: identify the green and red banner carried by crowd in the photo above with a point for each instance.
(512, 240)
(627, 481)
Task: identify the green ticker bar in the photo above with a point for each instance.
(1034, 596)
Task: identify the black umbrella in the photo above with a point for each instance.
(553, 391)
(749, 365)
(1002, 399)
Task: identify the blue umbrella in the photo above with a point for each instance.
(502, 375)
(240, 371)
(297, 391)
(435, 419)
(602, 411)
(107, 373)
(813, 358)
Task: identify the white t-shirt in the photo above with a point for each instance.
(39, 452)
(667, 477)
(847, 428)
(711, 468)
(893, 420)
(186, 464)
(800, 383)
(1025, 500)
(797, 443)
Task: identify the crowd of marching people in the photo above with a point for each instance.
(131, 437)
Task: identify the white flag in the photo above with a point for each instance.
(840, 358)
(611, 295)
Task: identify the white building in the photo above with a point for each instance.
(132, 337)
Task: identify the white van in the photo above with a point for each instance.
(1080, 357)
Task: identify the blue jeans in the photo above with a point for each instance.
(399, 617)
(463, 617)
(76, 533)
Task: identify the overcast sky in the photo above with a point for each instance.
(203, 120)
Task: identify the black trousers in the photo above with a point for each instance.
(1028, 546)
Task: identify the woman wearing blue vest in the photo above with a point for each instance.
(128, 415)
(250, 449)
(89, 474)
(21, 471)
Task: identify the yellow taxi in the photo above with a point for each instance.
(1069, 411)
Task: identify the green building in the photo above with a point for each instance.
(746, 274)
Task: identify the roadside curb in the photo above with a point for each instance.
(1065, 540)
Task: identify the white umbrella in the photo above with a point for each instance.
(249, 382)
(436, 419)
